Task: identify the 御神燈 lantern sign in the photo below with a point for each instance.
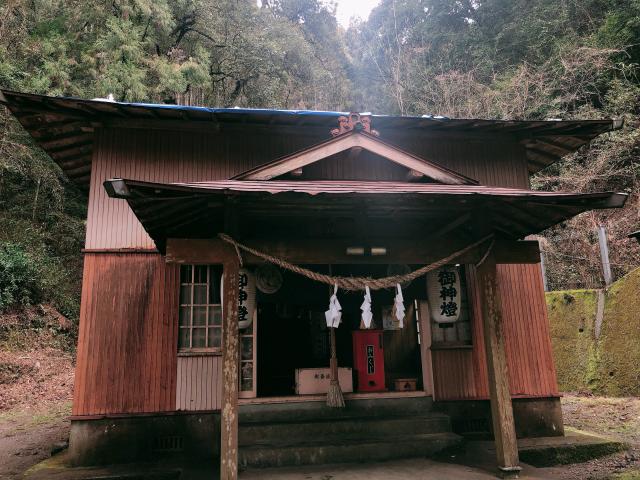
(443, 288)
(246, 298)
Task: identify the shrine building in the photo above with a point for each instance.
(247, 270)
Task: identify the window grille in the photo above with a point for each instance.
(200, 315)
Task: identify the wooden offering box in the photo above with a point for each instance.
(313, 381)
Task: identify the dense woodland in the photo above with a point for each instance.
(507, 59)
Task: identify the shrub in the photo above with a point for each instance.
(20, 279)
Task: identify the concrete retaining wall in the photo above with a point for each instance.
(604, 360)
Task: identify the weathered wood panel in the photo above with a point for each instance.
(461, 374)
(128, 335)
(162, 156)
(193, 156)
(198, 386)
(185, 156)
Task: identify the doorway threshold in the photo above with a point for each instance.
(323, 397)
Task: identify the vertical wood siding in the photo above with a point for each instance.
(198, 386)
(462, 373)
(127, 347)
(188, 156)
(128, 335)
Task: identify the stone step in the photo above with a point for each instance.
(348, 449)
(313, 410)
(328, 430)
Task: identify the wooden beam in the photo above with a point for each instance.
(494, 343)
(230, 361)
(359, 142)
(312, 251)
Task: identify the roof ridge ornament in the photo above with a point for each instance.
(354, 122)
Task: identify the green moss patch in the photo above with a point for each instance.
(572, 319)
(607, 365)
(577, 446)
(566, 454)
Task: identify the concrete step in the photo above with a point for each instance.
(347, 449)
(314, 410)
(328, 430)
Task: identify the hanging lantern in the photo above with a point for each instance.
(443, 291)
(246, 298)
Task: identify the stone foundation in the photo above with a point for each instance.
(534, 417)
(120, 439)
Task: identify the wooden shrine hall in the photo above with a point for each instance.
(242, 264)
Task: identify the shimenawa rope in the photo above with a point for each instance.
(358, 283)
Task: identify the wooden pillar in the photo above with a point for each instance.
(501, 407)
(230, 360)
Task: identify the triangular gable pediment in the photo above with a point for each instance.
(349, 141)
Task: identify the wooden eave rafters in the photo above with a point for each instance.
(66, 121)
(349, 142)
(290, 205)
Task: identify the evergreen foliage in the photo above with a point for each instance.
(509, 59)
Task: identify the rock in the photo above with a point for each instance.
(58, 447)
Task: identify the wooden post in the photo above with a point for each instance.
(501, 407)
(230, 360)
(424, 325)
(543, 269)
(604, 255)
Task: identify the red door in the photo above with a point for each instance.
(368, 360)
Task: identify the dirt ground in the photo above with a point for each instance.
(613, 417)
(35, 402)
(36, 388)
(27, 438)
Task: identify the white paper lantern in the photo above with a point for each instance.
(246, 297)
(443, 292)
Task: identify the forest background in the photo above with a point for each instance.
(504, 59)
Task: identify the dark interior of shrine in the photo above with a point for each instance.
(292, 331)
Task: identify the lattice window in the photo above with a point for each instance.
(200, 317)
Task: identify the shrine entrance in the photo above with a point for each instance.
(292, 342)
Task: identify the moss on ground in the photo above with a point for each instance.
(630, 475)
(567, 454)
(610, 364)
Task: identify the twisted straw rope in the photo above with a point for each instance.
(357, 283)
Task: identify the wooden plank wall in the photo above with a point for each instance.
(128, 335)
(132, 345)
(197, 385)
(188, 156)
(461, 374)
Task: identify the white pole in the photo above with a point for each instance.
(604, 254)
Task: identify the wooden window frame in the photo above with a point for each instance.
(190, 350)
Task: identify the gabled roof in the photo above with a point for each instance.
(354, 140)
(63, 126)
